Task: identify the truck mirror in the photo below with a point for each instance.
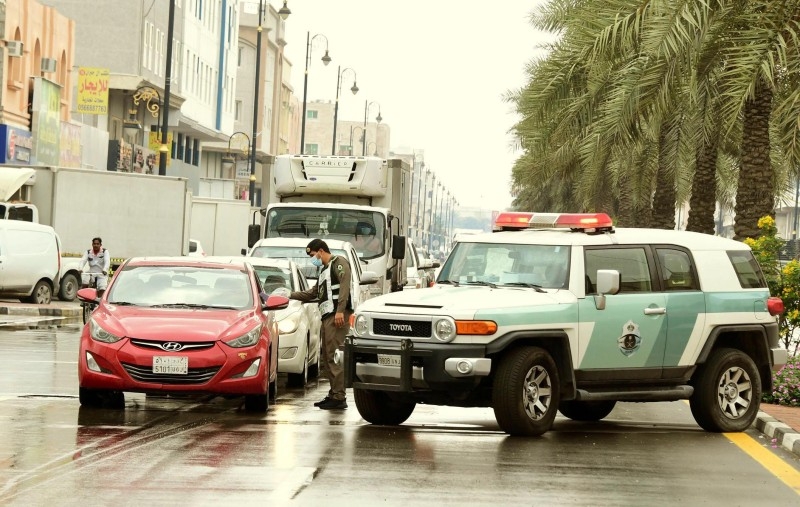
(253, 233)
(398, 247)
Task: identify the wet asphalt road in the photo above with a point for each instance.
(196, 451)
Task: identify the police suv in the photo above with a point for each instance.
(563, 312)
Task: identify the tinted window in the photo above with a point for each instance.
(676, 270)
(747, 269)
(631, 263)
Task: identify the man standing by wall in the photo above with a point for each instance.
(333, 294)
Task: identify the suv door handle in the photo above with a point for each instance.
(655, 311)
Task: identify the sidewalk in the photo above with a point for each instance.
(780, 423)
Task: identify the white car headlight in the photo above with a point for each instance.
(248, 339)
(444, 330)
(361, 325)
(289, 324)
(100, 334)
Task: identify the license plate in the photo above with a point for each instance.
(175, 365)
(387, 360)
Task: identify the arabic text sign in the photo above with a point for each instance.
(92, 90)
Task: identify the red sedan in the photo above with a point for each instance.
(180, 325)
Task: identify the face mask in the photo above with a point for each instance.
(316, 261)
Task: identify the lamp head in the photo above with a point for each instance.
(379, 118)
(326, 59)
(284, 11)
(354, 89)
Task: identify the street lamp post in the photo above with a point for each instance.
(378, 119)
(352, 128)
(143, 94)
(326, 60)
(230, 158)
(353, 89)
(420, 172)
(164, 149)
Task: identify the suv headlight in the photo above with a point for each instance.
(248, 339)
(361, 325)
(444, 329)
(100, 334)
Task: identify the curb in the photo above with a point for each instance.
(38, 311)
(788, 438)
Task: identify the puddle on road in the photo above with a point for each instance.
(25, 322)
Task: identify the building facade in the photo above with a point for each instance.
(350, 138)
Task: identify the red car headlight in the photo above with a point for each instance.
(100, 334)
(246, 340)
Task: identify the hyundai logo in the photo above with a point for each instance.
(171, 346)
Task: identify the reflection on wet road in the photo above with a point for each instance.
(208, 451)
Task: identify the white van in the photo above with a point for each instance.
(30, 259)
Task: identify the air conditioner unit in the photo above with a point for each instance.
(14, 47)
(48, 65)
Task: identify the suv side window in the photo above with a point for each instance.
(632, 264)
(676, 270)
(747, 270)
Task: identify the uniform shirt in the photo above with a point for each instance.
(332, 290)
(98, 263)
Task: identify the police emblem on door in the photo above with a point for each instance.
(630, 340)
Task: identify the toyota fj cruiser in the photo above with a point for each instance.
(569, 314)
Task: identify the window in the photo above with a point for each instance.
(239, 58)
(676, 270)
(746, 267)
(312, 149)
(238, 112)
(312, 114)
(632, 264)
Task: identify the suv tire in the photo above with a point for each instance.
(727, 392)
(376, 407)
(526, 391)
(586, 410)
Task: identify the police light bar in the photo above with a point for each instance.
(511, 220)
(578, 221)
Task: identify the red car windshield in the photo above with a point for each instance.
(177, 286)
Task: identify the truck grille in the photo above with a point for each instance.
(145, 374)
(404, 328)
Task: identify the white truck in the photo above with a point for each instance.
(361, 200)
(135, 214)
(220, 225)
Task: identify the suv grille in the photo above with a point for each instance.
(145, 374)
(404, 328)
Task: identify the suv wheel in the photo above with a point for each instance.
(727, 392)
(377, 407)
(586, 410)
(526, 391)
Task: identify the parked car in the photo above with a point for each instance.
(419, 270)
(196, 249)
(299, 324)
(363, 282)
(176, 324)
(30, 259)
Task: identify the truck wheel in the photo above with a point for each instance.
(727, 392)
(525, 393)
(376, 407)
(42, 294)
(586, 410)
(68, 289)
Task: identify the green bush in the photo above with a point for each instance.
(786, 385)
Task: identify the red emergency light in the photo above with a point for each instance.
(587, 222)
(511, 220)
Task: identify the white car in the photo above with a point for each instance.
(294, 249)
(299, 324)
(196, 249)
(419, 270)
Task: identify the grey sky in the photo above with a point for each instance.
(438, 69)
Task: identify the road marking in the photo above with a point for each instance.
(775, 465)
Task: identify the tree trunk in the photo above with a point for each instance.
(702, 204)
(664, 199)
(754, 191)
(625, 204)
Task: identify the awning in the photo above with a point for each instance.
(12, 178)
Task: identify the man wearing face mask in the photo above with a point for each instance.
(332, 292)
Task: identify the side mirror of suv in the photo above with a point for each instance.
(607, 283)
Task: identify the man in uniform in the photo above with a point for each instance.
(99, 261)
(332, 292)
